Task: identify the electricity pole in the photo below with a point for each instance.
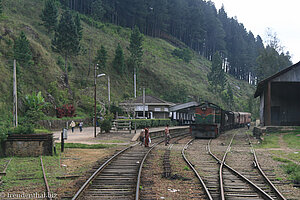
(134, 79)
(15, 96)
(143, 102)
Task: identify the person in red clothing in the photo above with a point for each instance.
(147, 137)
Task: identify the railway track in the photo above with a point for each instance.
(164, 177)
(243, 182)
(119, 176)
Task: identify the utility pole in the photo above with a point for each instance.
(15, 96)
(134, 79)
(108, 87)
(143, 102)
(95, 99)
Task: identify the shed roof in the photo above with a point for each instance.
(263, 83)
(183, 106)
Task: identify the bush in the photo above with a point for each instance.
(185, 54)
(142, 123)
(22, 129)
(105, 125)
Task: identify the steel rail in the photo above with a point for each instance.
(263, 194)
(272, 186)
(195, 171)
(137, 193)
(45, 180)
(221, 169)
(94, 175)
(4, 171)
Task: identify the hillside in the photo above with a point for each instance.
(162, 74)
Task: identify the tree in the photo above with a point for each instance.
(118, 62)
(135, 48)
(78, 26)
(101, 57)
(66, 40)
(217, 76)
(49, 15)
(97, 10)
(22, 52)
(1, 7)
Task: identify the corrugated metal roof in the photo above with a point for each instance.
(262, 84)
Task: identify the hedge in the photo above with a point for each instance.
(142, 123)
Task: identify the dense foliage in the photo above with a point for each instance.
(196, 23)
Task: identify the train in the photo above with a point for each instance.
(210, 120)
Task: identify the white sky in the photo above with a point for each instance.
(282, 16)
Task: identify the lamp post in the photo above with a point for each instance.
(95, 99)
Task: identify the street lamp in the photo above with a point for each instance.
(95, 109)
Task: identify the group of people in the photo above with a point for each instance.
(146, 140)
(73, 124)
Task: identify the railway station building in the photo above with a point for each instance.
(280, 98)
(153, 107)
(183, 113)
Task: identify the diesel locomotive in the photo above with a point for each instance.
(210, 120)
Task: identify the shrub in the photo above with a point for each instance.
(22, 129)
(142, 123)
(185, 54)
(105, 125)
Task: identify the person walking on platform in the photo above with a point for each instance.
(142, 137)
(80, 126)
(167, 135)
(147, 137)
(72, 124)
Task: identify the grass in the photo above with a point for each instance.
(284, 160)
(292, 139)
(186, 168)
(112, 141)
(270, 141)
(293, 170)
(42, 131)
(86, 146)
(23, 172)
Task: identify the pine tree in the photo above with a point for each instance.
(49, 15)
(135, 48)
(66, 40)
(22, 52)
(217, 76)
(97, 10)
(118, 62)
(1, 7)
(101, 57)
(78, 26)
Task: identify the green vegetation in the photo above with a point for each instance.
(142, 123)
(294, 172)
(284, 160)
(86, 146)
(292, 139)
(186, 168)
(49, 59)
(184, 54)
(270, 141)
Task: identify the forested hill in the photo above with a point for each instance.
(168, 68)
(197, 24)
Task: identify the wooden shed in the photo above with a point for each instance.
(280, 98)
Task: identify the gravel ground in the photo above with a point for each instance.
(181, 185)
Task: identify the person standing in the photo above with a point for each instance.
(142, 137)
(80, 126)
(72, 124)
(147, 137)
(167, 135)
